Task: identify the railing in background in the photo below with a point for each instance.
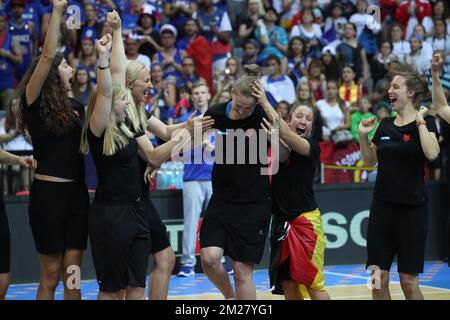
(360, 173)
(10, 176)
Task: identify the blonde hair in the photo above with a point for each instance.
(262, 11)
(116, 136)
(243, 86)
(136, 112)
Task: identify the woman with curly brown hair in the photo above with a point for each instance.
(59, 200)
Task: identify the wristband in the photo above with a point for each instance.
(103, 68)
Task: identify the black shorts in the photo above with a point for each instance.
(397, 230)
(58, 213)
(5, 241)
(158, 231)
(120, 243)
(239, 229)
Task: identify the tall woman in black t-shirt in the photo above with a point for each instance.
(442, 107)
(59, 200)
(5, 248)
(398, 216)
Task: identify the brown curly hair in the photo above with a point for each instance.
(55, 106)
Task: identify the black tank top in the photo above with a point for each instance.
(57, 156)
(118, 175)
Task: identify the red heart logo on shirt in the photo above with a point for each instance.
(406, 137)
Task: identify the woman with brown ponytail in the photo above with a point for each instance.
(398, 216)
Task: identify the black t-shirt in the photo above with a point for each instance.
(57, 156)
(145, 186)
(146, 48)
(292, 186)
(401, 162)
(118, 175)
(239, 183)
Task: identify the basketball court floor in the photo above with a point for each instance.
(344, 282)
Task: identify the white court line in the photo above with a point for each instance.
(390, 281)
(392, 294)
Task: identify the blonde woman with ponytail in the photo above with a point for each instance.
(136, 78)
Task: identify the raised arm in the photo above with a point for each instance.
(118, 57)
(437, 92)
(428, 140)
(368, 149)
(39, 75)
(103, 100)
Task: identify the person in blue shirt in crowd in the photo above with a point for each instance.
(197, 187)
(9, 56)
(178, 11)
(24, 33)
(272, 37)
(278, 86)
(90, 26)
(216, 28)
(251, 53)
(169, 57)
(34, 11)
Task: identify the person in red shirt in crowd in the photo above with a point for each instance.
(307, 5)
(412, 8)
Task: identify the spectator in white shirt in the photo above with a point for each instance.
(334, 111)
(361, 17)
(400, 47)
(278, 86)
(416, 57)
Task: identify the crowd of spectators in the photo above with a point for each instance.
(332, 55)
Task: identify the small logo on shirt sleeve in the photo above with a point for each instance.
(385, 138)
